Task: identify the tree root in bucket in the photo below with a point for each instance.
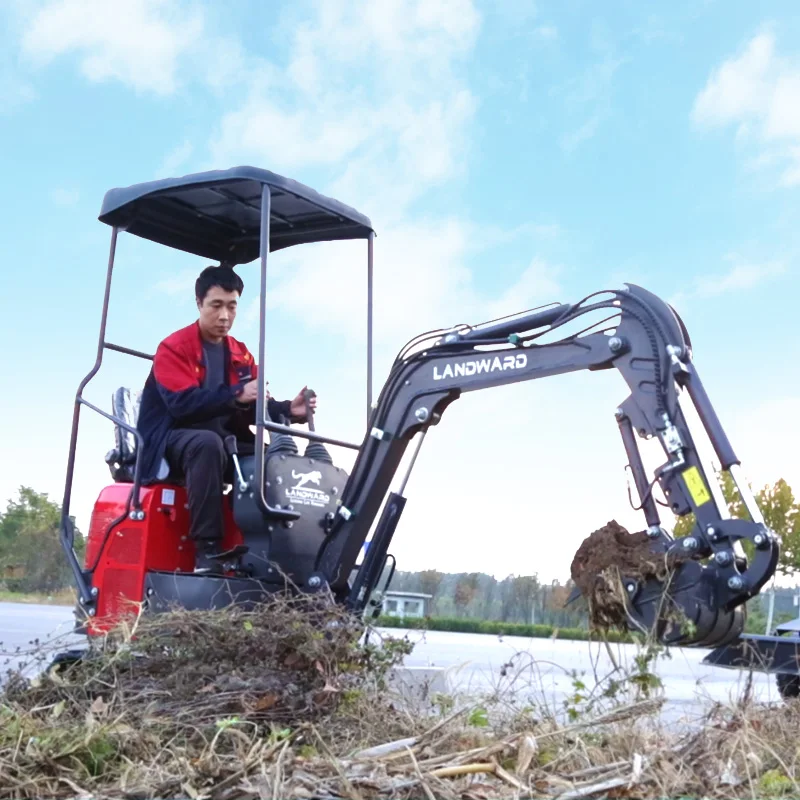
(599, 564)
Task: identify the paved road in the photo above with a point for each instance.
(22, 624)
(541, 670)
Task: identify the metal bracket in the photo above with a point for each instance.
(671, 436)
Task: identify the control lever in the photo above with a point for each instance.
(233, 451)
(307, 395)
(314, 450)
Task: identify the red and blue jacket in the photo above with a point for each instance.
(174, 396)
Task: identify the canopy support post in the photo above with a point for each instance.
(73, 441)
(261, 404)
(370, 241)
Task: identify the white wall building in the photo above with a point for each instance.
(405, 604)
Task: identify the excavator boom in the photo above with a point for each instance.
(650, 347)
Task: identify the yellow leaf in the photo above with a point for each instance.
(266, 702)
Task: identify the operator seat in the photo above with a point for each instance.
(125, 404)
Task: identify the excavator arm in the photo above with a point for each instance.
(650, 347)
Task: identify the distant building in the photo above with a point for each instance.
(405, 604)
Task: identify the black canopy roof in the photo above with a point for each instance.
(217, 214)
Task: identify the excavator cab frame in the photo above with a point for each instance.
(234, 217)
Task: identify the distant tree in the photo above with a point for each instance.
(517, 596)
(557, 597)
(430, 581)
(31, 558)
(487, 597)
(505, 591)
(466, 590)
(781, 512)
(524, 591)
(482, 596)
(685, 525)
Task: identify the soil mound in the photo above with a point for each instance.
(603, 557)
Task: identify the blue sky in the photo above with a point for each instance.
(509, 154)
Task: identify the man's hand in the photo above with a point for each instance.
(298, 406)
(249, 393)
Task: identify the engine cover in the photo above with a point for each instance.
(306, 485)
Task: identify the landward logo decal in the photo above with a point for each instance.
(465, 369)
(307, 495)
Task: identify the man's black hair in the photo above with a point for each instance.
(224, 277)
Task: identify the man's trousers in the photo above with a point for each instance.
(200, 458)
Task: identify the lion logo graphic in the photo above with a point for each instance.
(303, 478)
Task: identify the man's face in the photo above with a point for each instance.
(217, 312)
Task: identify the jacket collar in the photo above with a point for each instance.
(226, 340)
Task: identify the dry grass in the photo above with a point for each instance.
(288, 701)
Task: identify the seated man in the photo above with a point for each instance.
(203, 387)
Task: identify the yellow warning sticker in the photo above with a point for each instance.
(696, 486)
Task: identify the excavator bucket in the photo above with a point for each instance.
(636, 582)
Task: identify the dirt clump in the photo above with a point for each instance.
(599, 563)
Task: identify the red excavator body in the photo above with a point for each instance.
(120, 555)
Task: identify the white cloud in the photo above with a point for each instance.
(587, 96)
(288, 137)
(175, 159)
(758, 92)
(742, 276)
(738, 87)
(372, 96)
(408, 42)
(65, 197)
(536, 285)
(181, 284)
(593, 85)
(421, 282)
(383, 154)
(15, 92)
(138, 42)
(371, 93)
(572, 140)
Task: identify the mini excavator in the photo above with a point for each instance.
(297, 519)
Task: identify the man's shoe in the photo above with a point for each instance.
(206, 562)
